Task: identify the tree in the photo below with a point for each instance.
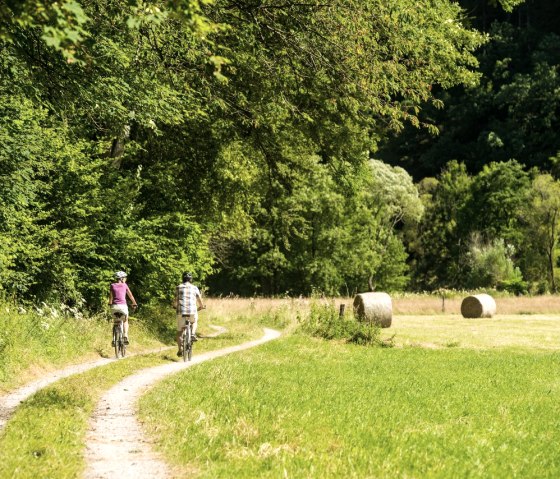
(541, 218)
(498, 193)
(510, 113)
(215, 130)
(438, 252)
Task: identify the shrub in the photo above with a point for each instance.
(515, 286)
(324, 321)
(491, 264)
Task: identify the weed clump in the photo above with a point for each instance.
(324, 321)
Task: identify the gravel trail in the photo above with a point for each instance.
(10, 401)
(115, 444)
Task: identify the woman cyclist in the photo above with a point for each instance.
(118, 292)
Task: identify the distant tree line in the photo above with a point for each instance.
(497, 142)
(241, 141)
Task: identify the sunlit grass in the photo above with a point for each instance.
(32, 344)
(305, 408)
(45, 437)
(502, 331)
(452, 395)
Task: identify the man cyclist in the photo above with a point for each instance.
(187, 298)
(118, 292)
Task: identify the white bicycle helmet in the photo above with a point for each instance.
(120, 274)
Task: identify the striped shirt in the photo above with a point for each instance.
(186, 298)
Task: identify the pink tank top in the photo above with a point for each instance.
(119, 292)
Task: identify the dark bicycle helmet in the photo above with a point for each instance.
(187, 277)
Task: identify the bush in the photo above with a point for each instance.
(515, 286)
(491, 264)
(324, 321)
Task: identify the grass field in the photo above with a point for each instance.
(453, 398)
(45, 437)
(304, 408)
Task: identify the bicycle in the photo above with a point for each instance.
(118, 335)
(187, 338)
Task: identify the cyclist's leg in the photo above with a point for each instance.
(125, 326)
(195, 324)
(113, 331)
(180, 325)
(117, 314)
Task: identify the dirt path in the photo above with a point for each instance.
(115, 444)
(10, 401)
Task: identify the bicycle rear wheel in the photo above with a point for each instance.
(116, 339)
(118, 335)
(190, 345)
(186, 342)
(123, 347)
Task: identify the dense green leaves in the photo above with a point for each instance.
(510, 114)
(236, 140)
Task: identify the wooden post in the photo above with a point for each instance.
(341, 312)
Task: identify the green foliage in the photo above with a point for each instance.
(516, 286)
(325, 235)
(498, 193)
(62, 23)
(473, 233)
(511, 113)
(507, 5)
(324, 321)
(228, 139)
(437, 252)
(491, 265)
(541, 229)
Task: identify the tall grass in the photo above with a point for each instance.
(45, 437)
(39, 339)
(303, 408)
(280, 313)
(325, 321)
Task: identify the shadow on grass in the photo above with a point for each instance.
(55, 399)
(158, 323)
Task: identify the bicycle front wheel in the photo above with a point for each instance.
(187, 342)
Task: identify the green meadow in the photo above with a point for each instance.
(45, 437)
(435, 395)
(451, 398)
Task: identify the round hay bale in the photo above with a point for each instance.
(478, 306)
(374, 307)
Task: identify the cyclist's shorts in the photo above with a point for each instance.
(119, 308)
(182, 320)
